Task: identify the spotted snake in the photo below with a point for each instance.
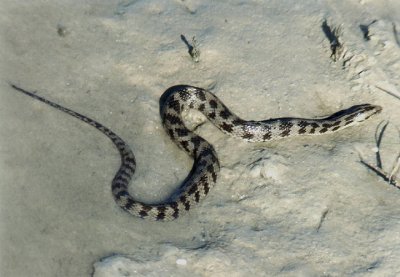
(203, 175)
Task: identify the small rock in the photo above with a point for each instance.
(181, 262)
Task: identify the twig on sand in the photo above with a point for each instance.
(395, 169)
(396, 35)
(378, 169)
(365, 30)
(394, 94)
(193, 50)
(332, 34)
(391, 179)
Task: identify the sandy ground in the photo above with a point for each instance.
(297, 207)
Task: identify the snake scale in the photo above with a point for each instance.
(203, 175)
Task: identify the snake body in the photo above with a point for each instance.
(203, 175)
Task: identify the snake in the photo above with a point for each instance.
(204, 173)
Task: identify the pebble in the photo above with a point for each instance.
(181, 262)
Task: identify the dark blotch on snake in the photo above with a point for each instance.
(173, 119)
(225, 114)
(206, 152)
(213, 104)
(303, 125)
(302, 130)
(129, 204)
(285, 133)
(323, 130)
(122, 177)
(129, 159)
(187, 206)
(206, 188)
(193, 189)
(143, 213)
(145, 210)
(203, 179)
(185, 145)
(314, 126)
(247, 136)
(185, 95)
(214, 176)
(120, 143)
(350, 117)
(237, 122)
(327, 125)
(215, 160)
(181, 132)
(267, 135)
(201, 95)
(129, 166)
(210, 168)
(285, 125)
(211, 115)
(227, 127)
(196, 141)
(174, 104)
(175, 207)
(161, 213)
(118, 185)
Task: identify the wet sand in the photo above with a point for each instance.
(303, 206)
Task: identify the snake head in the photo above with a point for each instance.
(362, 112)
(357, 113)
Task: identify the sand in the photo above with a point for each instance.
(302, 206)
